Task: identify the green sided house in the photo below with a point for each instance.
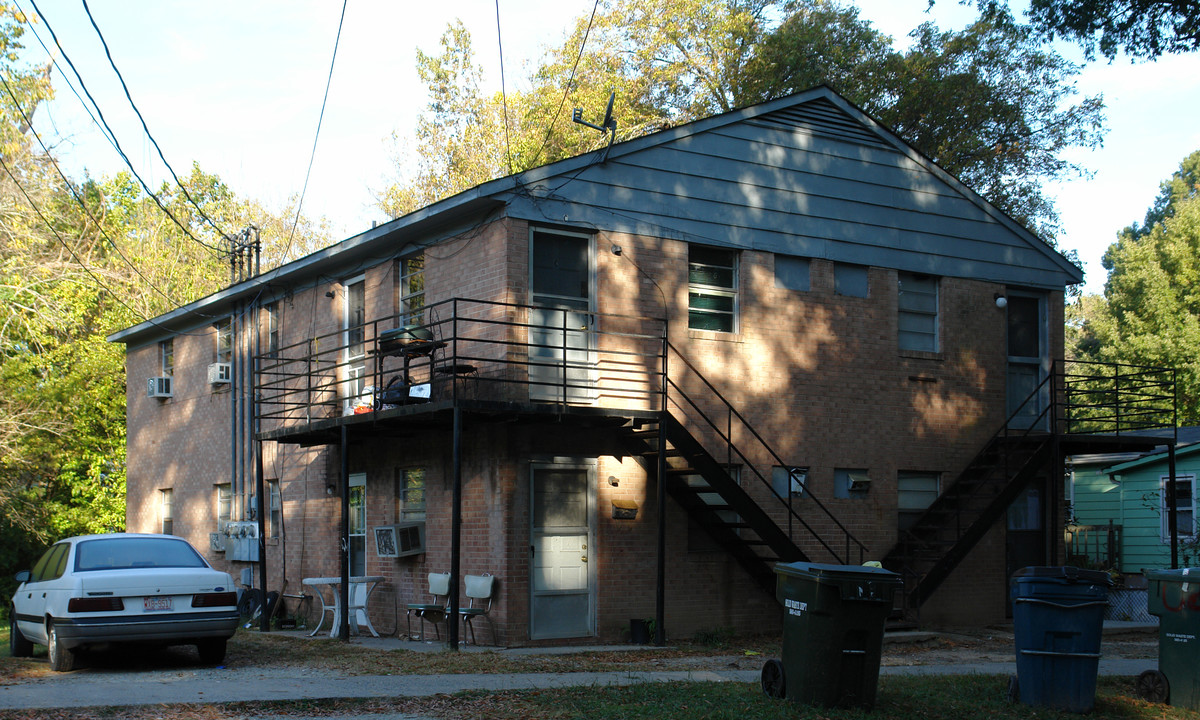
(1121, 515)
(627, 383)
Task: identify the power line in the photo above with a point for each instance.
(320, 119)
(503, 92)
(75, 194)
(567, 89)
(145, 128)
(104, 123)
(63, 242)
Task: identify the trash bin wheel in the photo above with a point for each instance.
(773, 680)
(1152, 686)
(1014, 688)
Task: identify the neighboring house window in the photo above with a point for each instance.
(224, 348)
(789, 479)
(358, 524)
(166, 514)
(850, 483)
(850, 280)
(275, 516)
(410, 494)
(1185, 507)
(272, 329)
(915, 491)
(712, 289)
(410, 290)
(792, 273)
(918, 312)
(166, 357)
(224, 505)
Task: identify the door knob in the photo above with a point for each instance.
(583, 559)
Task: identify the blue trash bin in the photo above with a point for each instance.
(1058, 621)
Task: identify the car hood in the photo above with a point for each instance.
(160, 581)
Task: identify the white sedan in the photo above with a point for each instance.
(120, 588)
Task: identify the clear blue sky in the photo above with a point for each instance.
(237, 87)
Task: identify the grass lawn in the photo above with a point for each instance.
(899, 697)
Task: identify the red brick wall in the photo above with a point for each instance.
(816, 373)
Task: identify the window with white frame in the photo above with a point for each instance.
(166, 357)
(223, 350)
(712, 289)
(410, 494)
(166, 513)
(271, 322)
(1185, 507)
(918, 312)
(410, 289)
(358, 524)
(275, 510)
(224, 498)
(915, 492)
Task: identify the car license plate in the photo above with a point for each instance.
(156, 604)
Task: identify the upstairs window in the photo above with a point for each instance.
(851, 280)
(410, 289)
(271, 321)
(792, 273)
(166, 357)
(223, 352)
(918, 313)
(712, 289)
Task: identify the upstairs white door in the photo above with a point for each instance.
(1028, 359)
(560, 333)
(562, 602)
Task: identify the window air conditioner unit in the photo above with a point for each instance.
(216, 542)
(158, 387)
(219, 373)
(400, 540)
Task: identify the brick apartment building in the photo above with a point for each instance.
(823, 329)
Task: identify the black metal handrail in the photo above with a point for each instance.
(682, 400)
(504, 346)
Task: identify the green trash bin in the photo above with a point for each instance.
(1174, 596)
(833, 624)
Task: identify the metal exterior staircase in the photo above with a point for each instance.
(1085, 407)
(756, 536)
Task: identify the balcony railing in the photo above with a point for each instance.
(466, 349)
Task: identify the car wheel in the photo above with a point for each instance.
(18, 644)
(212, 651)
(62, 658)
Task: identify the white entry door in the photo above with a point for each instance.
(1028, 360)
(562, 603)
(560, 332)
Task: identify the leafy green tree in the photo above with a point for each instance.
(1150, 314)
(1139, 28)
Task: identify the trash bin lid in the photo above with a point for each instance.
(835, 573)
(1064, 574)
(1179, 575)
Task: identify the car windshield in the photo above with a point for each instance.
(148, 552)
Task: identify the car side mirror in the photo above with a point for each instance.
(22, 576)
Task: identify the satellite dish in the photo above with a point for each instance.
(608, 118)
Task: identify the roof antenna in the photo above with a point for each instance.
(609, 125)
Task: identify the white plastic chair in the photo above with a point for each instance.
(479, 589)
(434, 612)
